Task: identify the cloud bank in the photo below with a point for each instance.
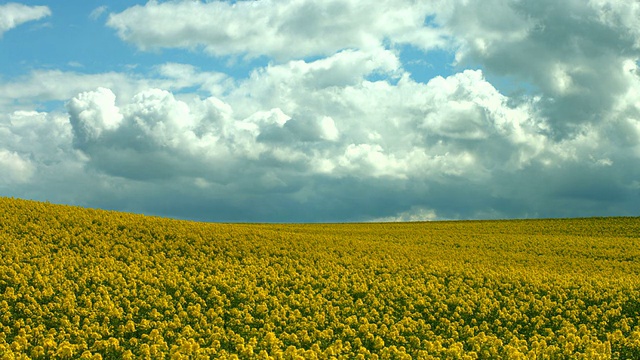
(540, 117)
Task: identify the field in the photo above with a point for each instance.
(81, 283)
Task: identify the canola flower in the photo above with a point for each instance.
(91, 284)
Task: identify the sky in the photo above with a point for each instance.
(323, 111)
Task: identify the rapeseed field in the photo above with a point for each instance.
(90, 284)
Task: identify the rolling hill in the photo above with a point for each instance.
(83, 283)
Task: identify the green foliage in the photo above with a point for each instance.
(80, 283)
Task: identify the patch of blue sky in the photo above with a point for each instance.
(379, 76)
(38, 45)
(425, 66)
(50, 106)
(89, 46)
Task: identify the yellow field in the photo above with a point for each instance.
(95, 284)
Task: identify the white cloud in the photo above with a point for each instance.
(33, 145)
(47, 85)
(572, 53)
(14, 168)
(328, 129)
(45, 137)
(14, 14)
(91, 113)
(357, 128)
(370, 160)
(414, 214)
(97, 12)
(160, 116)
(334, 127)
(282, 30)
(55, 85)
(177, 76)
(406, 142)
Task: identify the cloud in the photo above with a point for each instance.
(41, 86)
(14, 14)
(57, 85)
(14, 168)
(538, 118)
(280, 30)
(577, 63)
(97, 12)
(176, 76)
(455, 147)
(92, 113)
(414, 214)
(39, 137)
(33, 144)
(285, 134)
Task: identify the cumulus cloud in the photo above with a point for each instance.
(42, 135)
(14, 14)
(57, 85)
(36, 151)
(256, 141)
(14, 168)
(92, 113)
(334, 127)
(40, 86)
(282, 30)
(577, 62)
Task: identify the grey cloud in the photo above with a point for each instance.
(316, 159)
(321, 140)
(306, 128)
(14, 168)
(36, 156)
(571, 55)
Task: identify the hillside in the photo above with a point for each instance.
(95, 284)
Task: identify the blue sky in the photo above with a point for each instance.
(306, 111)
